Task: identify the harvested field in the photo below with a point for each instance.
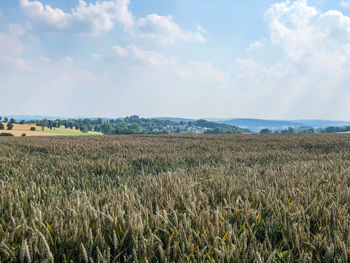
(208, 198)
(19, 129)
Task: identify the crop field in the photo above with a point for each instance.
(163, 198)
(19, 129)
(66, 132)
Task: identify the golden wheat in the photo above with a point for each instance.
(242, 198)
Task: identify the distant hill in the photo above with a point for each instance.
(174, 119)
(51, 118)
(32, 117)
(258, 124)
(220, 127)
(324, 123)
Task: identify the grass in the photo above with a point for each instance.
(68, 132)
(175, 198)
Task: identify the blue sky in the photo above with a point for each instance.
(185, 58)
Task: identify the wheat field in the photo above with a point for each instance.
(20, 129)
(204, 198)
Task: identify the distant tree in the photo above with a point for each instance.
(6, 119)
(265, 131)
(32, 128)
(121, 128)
(84, 128)
(132, 119)
(6, 134)
(97, 128)
(307, 131)
(9, 126)
(58, 123)
(50, 124)
(291, 130)
(12, 120)
(43, 124)
(331, 130)
(2, 126)
(106, 128)
(22, 122)
(70, 124)
(86, 121)
(0, 118)
(135, 128)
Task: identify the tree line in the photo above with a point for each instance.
(136, 125)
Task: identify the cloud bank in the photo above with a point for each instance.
(299, 69)
(96, 18)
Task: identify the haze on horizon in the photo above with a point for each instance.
(180, 58)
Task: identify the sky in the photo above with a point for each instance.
(180, 58)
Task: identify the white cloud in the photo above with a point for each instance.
(255, 45)
(308, 36)
(98, 17)
(10, 45)
(138, 57)
(302, 73)
(163, 29)
(120, 51)
(18, 63)
(84, 19)
(131, 59)
(12, 48)
(66, 61)
(291, 28)
(336, 26)
(202, 72)
(97, 56)
(345, 3)
(306, 70)
(46, 80)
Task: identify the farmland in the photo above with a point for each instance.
(19, 129)
(175, 198)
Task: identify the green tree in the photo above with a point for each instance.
(290, 130)
(121, 128)
(97, 128)
(70, 124)
(6, 134)
(84, 128)
(135, 128)
(9, 126)
(106, 128)
(265, 131)
(2, 126)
